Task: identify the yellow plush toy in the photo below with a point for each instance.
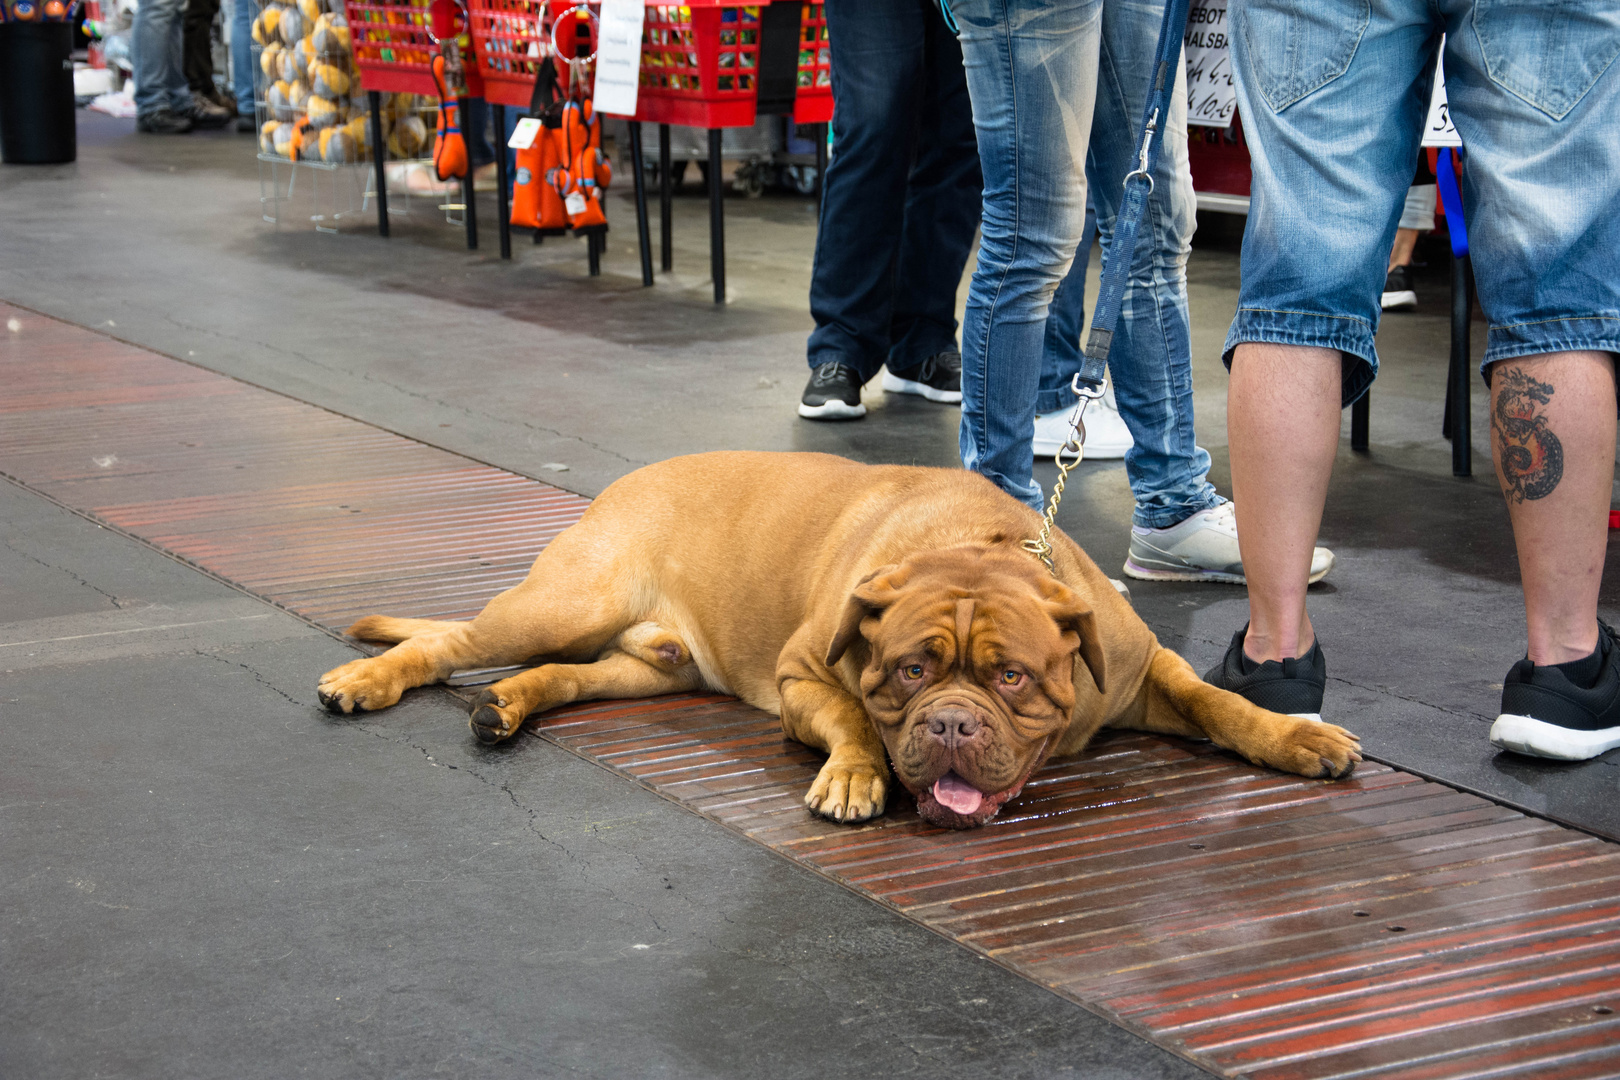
(279, 101)
(311, 10)
(267, 136)
(330, 37)
(290, 27)
(323, 113)
(298, 96)
(270, 62)
(265, 26)
(328, 80)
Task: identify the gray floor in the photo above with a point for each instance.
(205, 875)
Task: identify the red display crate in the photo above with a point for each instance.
(392, 49)
(698, 60)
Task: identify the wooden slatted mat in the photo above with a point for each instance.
(1260, 924)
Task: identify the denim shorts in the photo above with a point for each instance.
(1334, 94)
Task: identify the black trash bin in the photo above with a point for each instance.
(36, 93)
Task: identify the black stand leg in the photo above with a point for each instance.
(503, 196)
(593, 252)
(821, 166)
(717, 222)
(643, 234)
(1360, 416)
(1462, 305)
(467, 196)
(379, 151)
(666, 226)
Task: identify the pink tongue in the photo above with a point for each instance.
(957, 794)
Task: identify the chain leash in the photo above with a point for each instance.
(1041, 546)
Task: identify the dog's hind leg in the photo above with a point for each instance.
(572, 604)
(498, 711)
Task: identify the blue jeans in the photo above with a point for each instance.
(1058, 91)
(901, 196)
(1333, 105)
(156, 51)
(242, 54)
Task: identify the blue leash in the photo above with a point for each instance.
(1138, 187)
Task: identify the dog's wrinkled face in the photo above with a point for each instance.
(970, 672)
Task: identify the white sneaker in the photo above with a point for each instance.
(1202, 548)
(1107, 437)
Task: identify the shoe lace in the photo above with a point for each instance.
(833, 371)
(949, 362)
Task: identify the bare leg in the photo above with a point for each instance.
(1401, 253)
(1282, 421)
(1552, 438)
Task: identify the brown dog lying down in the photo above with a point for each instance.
(886, 613)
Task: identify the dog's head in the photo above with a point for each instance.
(969, 674)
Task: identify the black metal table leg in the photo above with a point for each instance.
(643, 235)
(379, 151)
(1360, 421)
(503, 196)
(1462, 305)
(717, 222)
(666, 225)
(467, 196)
(821, 166)
(594, 242)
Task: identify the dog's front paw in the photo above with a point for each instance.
(848, 792)
(1313, 748)
(360, 684)
(493, 717)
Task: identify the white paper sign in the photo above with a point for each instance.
(523, 135)
(1211, 97)
(618, 57)
(1440, 131)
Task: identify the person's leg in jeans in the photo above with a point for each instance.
(941, 214)
(242, 55)
(160, 80)
(879, 50)
(1333, 107)
(1032, 70)
(1541, 191)
(1151, 355)
(197, 46)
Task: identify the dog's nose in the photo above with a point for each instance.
(953, 724)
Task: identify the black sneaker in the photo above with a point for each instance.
(1293, 686)
(938, 378)
(833, 393)
(1398, 290)
(1546, 714)
(206, 114)
(163, 122)
(245, 124)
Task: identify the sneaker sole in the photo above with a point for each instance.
(1147, 573)
(896, 385)
(832, 410)
(1537, 738)
(1392, 300)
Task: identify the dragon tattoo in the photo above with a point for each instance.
(1532, 458)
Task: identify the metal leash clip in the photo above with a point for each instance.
(1041, 546)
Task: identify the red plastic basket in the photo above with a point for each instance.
(392, 50)
(698, 60)
(813, 101)
(507, 41)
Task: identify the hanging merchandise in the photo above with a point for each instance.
(562, 173)
(449, 146)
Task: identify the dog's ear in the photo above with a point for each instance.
(875, 592)
(1072, 614)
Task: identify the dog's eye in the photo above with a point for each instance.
(912, 672)
(1011, 677)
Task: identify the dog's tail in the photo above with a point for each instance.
(392, 631)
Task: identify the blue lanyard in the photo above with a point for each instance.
(1138, 186)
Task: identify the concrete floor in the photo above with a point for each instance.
(207, 876)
